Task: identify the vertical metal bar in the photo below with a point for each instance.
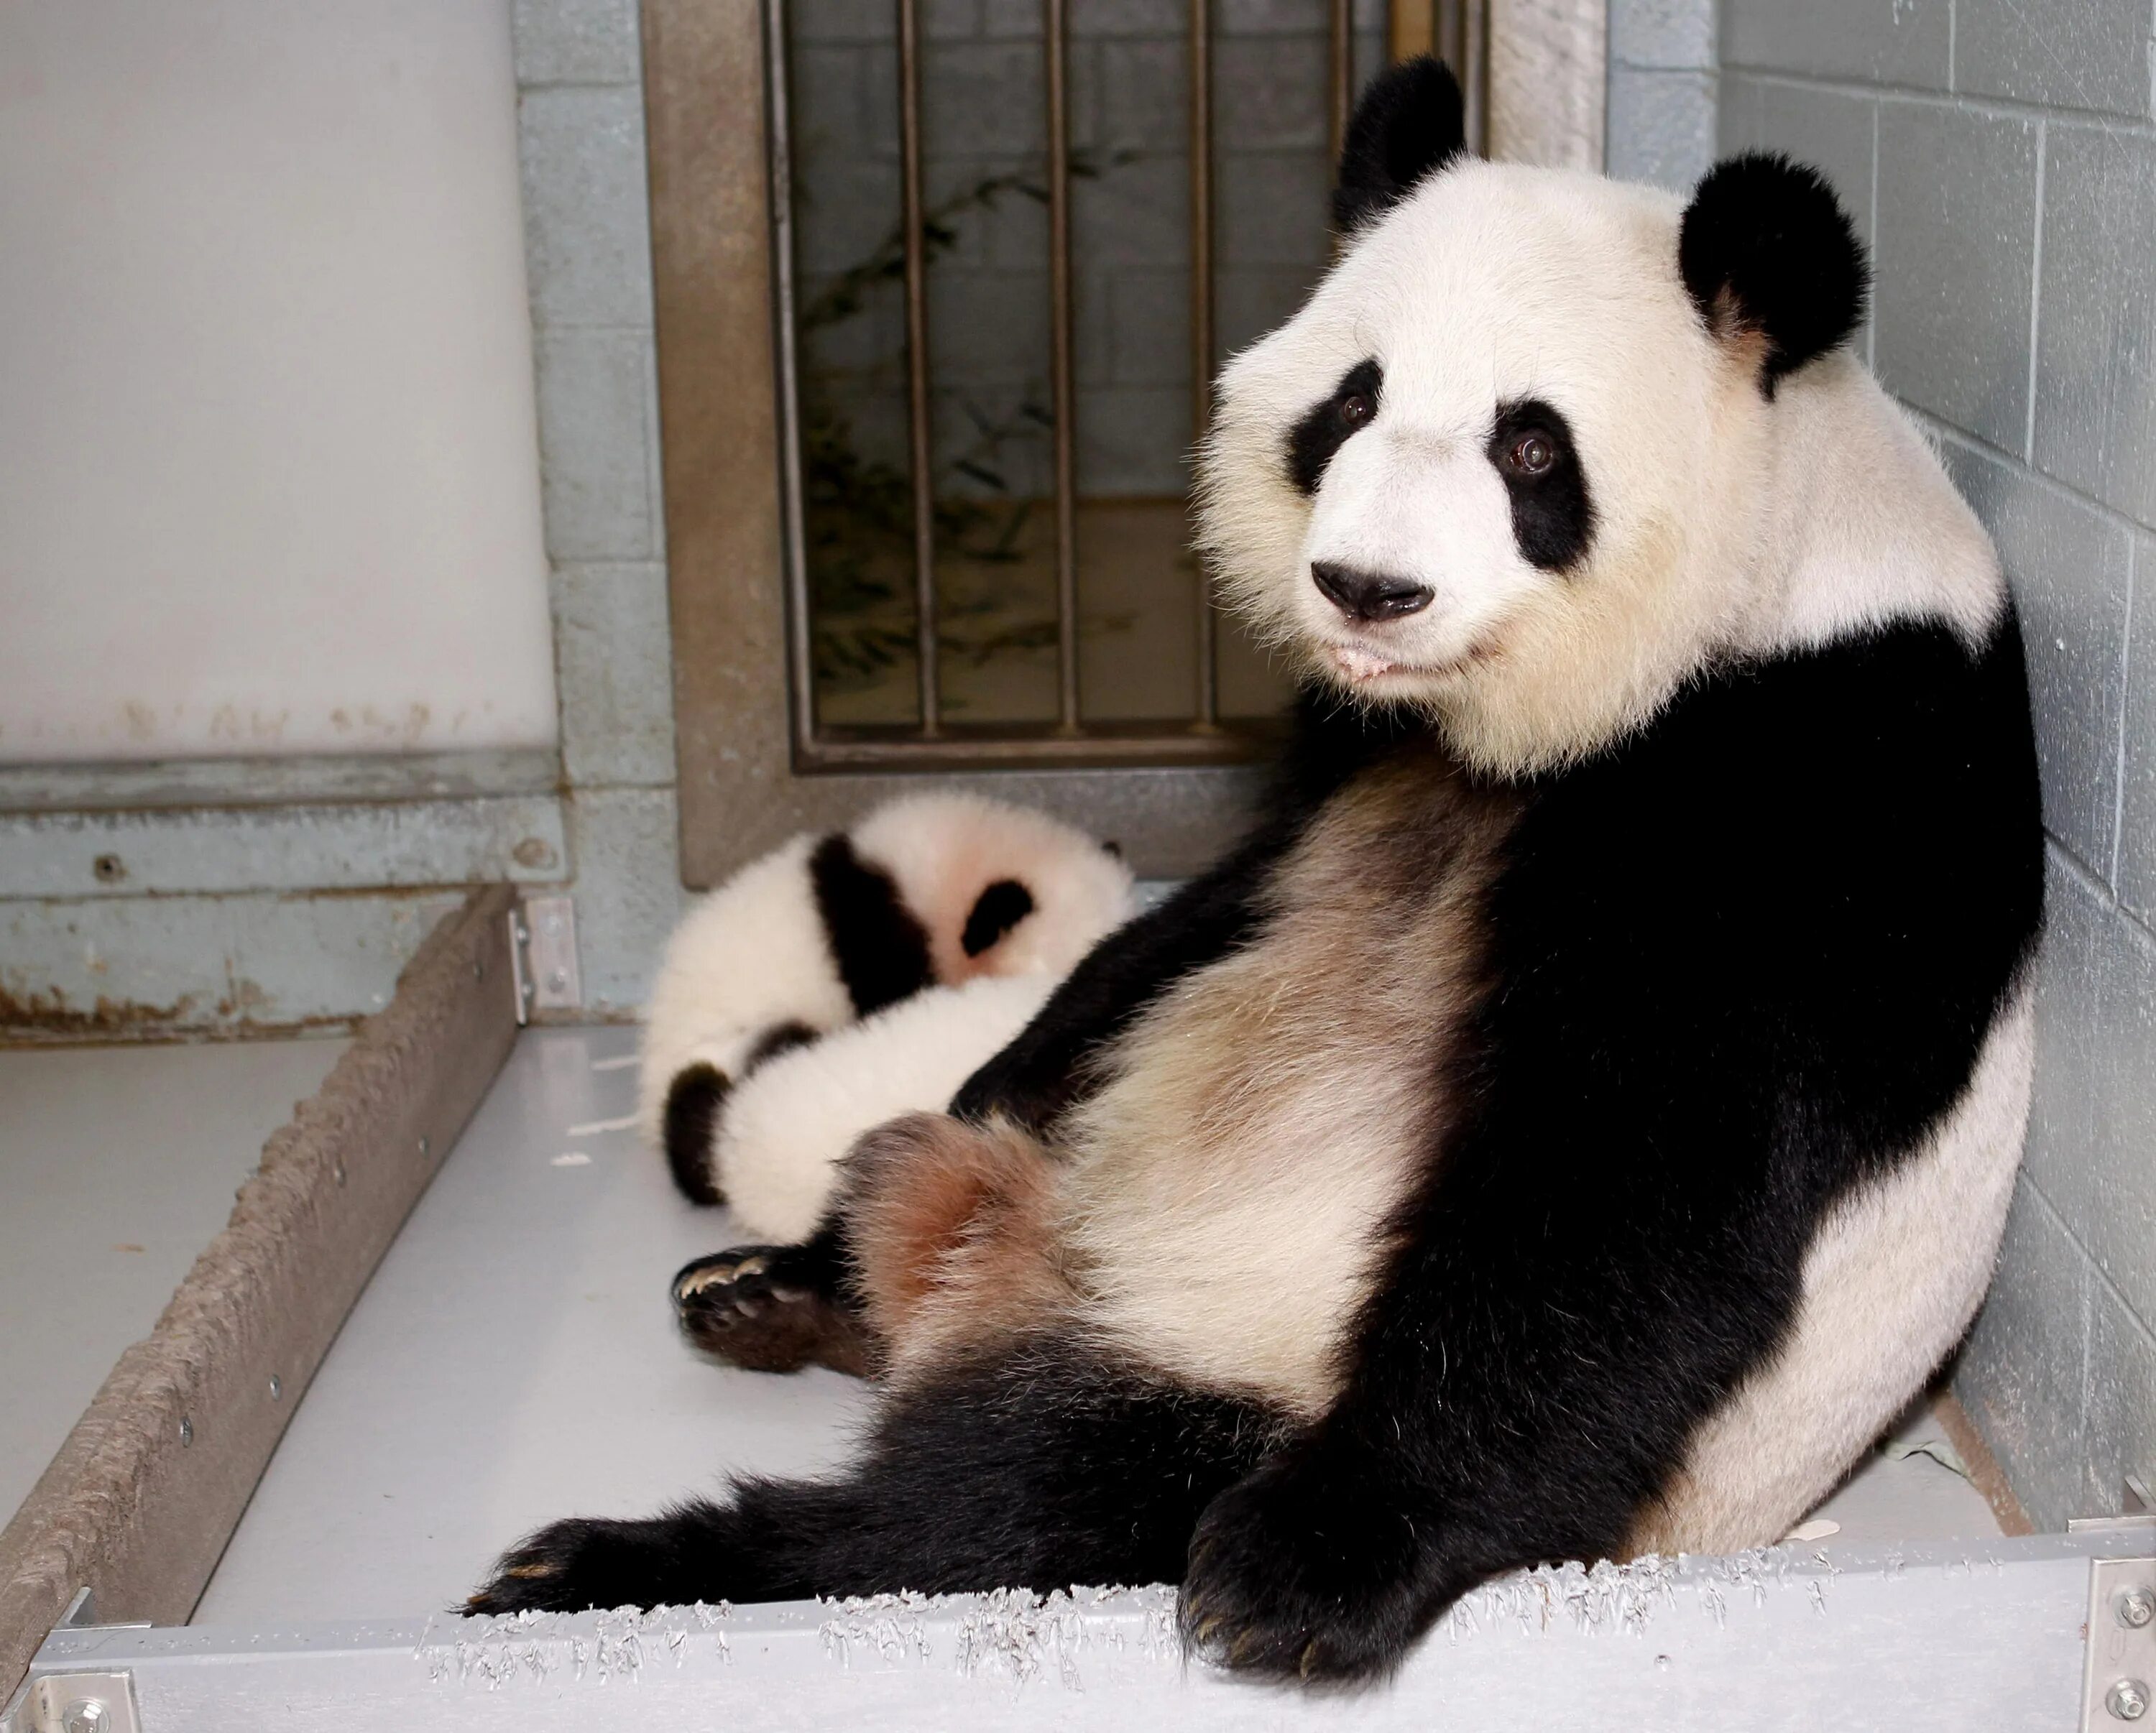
(1340, 82)
(1474, 70)
(1060, 360)
(1201, 315)
(1448, 25)
(794, 542)
(921, 454)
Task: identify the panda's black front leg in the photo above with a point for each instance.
(1319, 1567)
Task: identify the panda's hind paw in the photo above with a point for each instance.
(774, 1309)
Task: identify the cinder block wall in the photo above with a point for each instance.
(2000, 158)
(587, 253)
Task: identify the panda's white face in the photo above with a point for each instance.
(1496, 466)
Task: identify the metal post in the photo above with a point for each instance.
(921, 453)
(1340, 82)
(1201, 315)
(1060, 348)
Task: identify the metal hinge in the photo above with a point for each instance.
(2120, 1672)
(78, 1703)
(542, 954)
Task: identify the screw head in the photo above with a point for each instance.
(187, 1432)
(2128, 1699)
(558, 982)
(337, 1172)
(276, 1387)
(2135, 1605)
(86, 1714)
(425, 1147)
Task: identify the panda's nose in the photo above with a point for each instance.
(1368, 596)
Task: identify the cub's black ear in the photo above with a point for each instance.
(1767, 249)
(1410, 123)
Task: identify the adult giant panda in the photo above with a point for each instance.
(1583, 1111)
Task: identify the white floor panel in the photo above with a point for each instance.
(117, 1167)
(514, 1360)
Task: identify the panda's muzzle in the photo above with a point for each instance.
(1368, 597)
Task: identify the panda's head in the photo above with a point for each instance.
(1507, 463)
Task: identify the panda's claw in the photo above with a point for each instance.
(769, 1309)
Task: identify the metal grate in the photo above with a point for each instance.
(935, 740)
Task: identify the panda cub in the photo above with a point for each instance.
(929, 891)
(1582, 1112)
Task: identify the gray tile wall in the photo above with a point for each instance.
(587, 249)
(2001, 157)
(1662, 77)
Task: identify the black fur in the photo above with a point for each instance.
(1746, 958)
(780, 1037)
(1038, 1468)
(1323, 428)
(1410, 122)
(1739, 962)
(693, 1101)
(880, 949)
(1046, 1068)
(1766, 247)
(1553, 512)
(775, 1308)
(995, 912)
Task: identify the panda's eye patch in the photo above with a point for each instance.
(1327, 426)
(1531, 448)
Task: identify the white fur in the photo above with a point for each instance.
(754, 954)
(787, 1124)
(1724, 520)
(943, 850)
(750, 954)
(1891, 1280)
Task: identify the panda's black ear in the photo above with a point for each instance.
(1766, 249)
(1410, 123)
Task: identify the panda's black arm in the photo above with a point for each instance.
(1521, 1392)
(1042, 1072)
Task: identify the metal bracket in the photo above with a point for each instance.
(78, 1702)
(2118, 1681)
(542, 952)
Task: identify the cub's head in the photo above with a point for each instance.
(1508, 464)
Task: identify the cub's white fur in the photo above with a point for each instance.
(750, 955)
(792, 1118)
(754, 953)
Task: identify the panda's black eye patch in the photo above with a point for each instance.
(1327, 426)
(1531, 446)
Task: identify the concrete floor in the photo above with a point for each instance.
(117, 1166)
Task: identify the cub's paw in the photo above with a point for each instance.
(1294, 1574)
(569, 1565)
(771, 1309)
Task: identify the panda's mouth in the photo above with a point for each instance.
(1362, 665)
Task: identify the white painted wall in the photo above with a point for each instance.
(269, 467)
